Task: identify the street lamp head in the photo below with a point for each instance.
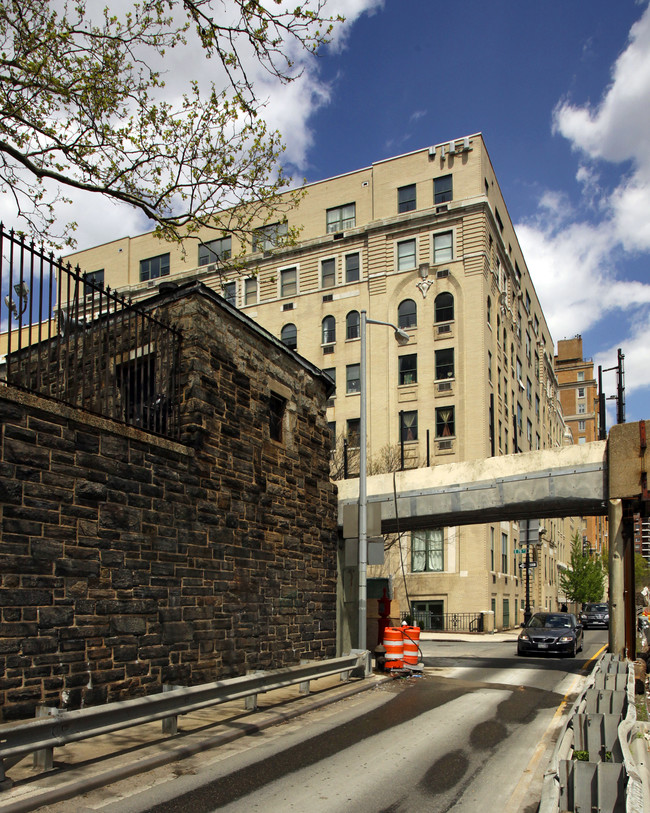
(401, 336)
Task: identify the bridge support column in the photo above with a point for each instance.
(616, 580)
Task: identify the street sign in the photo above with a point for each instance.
(522, 565)
(520, 550)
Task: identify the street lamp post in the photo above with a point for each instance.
(402, 338)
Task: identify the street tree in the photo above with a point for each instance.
(641, 571)
(584, 580)
(85, 106)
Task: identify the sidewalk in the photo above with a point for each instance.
(507, 636)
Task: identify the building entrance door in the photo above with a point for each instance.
(428, 615)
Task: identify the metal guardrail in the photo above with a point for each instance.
(41, 736)
(600, 726)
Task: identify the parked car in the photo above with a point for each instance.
(556, 633)
(595, 615)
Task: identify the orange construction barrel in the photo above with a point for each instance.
(411, 636)
(393, 644)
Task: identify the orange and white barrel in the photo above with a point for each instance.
(394, 646)
(411, 636)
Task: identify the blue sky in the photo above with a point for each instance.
(560, 90)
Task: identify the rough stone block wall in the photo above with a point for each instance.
(128, 561)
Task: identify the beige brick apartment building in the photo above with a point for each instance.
(578, 393)
(423, 240)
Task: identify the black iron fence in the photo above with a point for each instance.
(445, 622)
(66, 337)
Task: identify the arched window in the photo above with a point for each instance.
(352, 325)
(329, 330)
(407, 314)
(444, 307)
(289, 336)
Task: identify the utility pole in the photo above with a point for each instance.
(619, 397)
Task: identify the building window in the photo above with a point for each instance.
(408, 426)
(443, 307)
(529, 433)
(351, 267)
(289, 282)
(289, 336)
(408, 369)
(328, 273)
(267, 237)
(92, 281)
(154, 267)
(328, 330)
(352, 325)
(537, 406)
(215, 250)
(407, 314)
(581, 426)
(331, 425)
(504, 553)
(341, 217)
(250, 291)
(520, 419)
(445, 422)
(527, 302)
(427, 551)
(492, 549)
(499, 222)
(406, 255)
(581, 392)
(229, 292)
(529, 390)
(581, 375)
(582, 408)
(406, 198)
(353, 432)
(277, 407)
(489, 367)
(444, 363)
(442, 247)
(442, 189)
(489, 310)
(352, 379)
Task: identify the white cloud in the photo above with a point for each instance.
(577, 254)
(616, 130)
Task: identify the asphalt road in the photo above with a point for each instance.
(474, 733)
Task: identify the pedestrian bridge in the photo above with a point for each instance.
(571, 481)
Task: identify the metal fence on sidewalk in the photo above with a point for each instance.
(66, 337)
(445, 622)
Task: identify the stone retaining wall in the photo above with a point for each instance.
(128, 560)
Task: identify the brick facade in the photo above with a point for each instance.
(128, 560)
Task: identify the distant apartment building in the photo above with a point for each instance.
(424, 241)
(579, 400)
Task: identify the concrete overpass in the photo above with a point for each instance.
(571, 481)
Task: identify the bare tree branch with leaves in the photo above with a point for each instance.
(84, 107)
